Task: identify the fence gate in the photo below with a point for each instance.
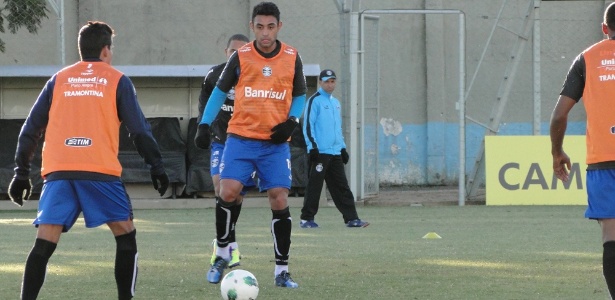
(369, 104)
(367, 83)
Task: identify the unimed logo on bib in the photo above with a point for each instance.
(78, 142)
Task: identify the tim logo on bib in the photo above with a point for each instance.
(78, 142)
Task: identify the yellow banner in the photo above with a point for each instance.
(519, 171)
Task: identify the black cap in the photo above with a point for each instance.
(326, 74)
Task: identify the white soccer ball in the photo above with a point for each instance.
(239, 285)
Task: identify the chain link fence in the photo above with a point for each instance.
(22, 13)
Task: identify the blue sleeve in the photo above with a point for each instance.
(213, 106)
(296, 107)
(130, 114)
(32, 130)
(128, 109)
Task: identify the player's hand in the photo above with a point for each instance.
(20, 190)
(161, 182)
(203, 137)
(314, 155)
(283, 131)
(345, 156)
(561, 165)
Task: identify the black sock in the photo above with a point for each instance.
(608, 265)
(281, 225)
(235, 211)
(36, 268)
(126, 261)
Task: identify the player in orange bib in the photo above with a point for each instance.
(270, 93)
(80, 110)
(592, 76)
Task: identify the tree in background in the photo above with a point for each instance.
(18, 13)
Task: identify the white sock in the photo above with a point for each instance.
(233, 245)
(279, 269)
(223, 252)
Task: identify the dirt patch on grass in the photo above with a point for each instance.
(422, 196)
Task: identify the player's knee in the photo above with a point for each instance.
(278, 201)
(225, 203)
(228, 197)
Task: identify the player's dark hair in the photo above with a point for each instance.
(609, 16)
(266, 9)
(237, 37)
(93, 37)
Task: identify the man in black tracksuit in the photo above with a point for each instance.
(322, 128)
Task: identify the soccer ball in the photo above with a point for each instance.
(239, 285)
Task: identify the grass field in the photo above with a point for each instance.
(517, 252)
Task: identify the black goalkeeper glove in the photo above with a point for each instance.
(161, 182)
(283, 131)
(345, 156)
(20, 190)
(314, 155)
(203, 137)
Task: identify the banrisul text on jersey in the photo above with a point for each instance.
(271, 94)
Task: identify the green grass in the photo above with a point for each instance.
(518, 252)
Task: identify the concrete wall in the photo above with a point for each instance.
(419, 139)
(418, 127)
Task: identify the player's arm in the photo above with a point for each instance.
(299, 90)
(309, 120)
(208, 86)
(140, 132)
(226, 81)
(33, 130)
(557, 130)
(571, 93)
(569, 96)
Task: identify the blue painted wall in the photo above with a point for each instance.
(429, 154)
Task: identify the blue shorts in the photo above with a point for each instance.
(271, 162)
(101, 202)
(600, 194)
(216, 155)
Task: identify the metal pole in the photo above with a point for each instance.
(462, 109)
(354, 83)
(59, 10)
(62, 35)
(536, 50)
